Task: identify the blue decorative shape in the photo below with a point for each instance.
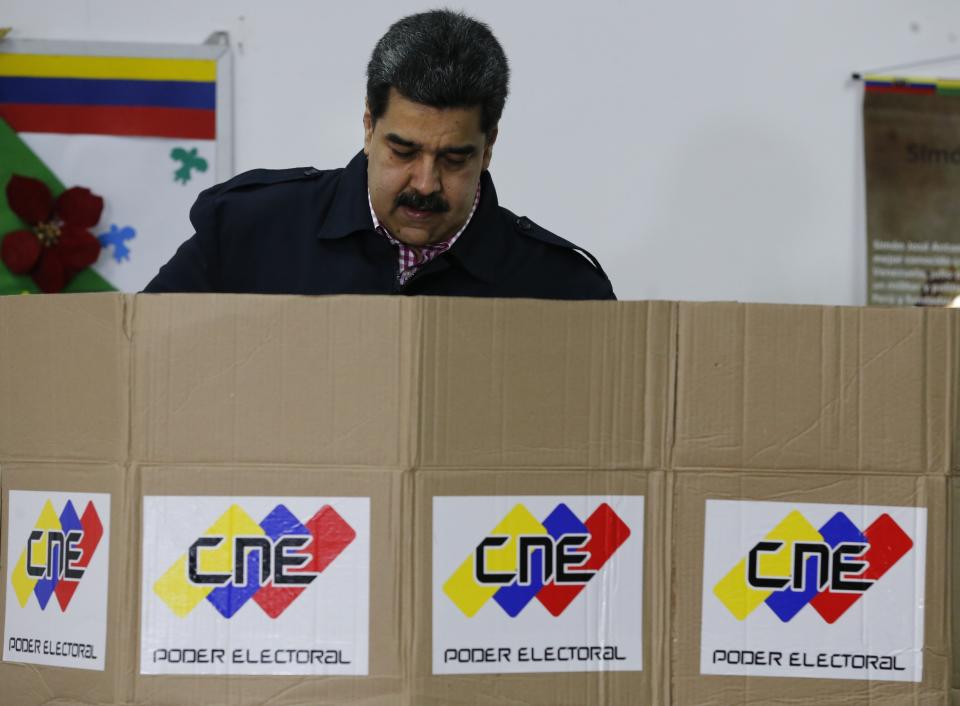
(281, 521)
(69, 519)
(117, 237)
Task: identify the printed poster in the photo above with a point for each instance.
(912, 151)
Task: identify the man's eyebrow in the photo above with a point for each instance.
(466, 150)
(397, 140)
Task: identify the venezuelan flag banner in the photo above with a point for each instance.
(109, 95)
(912, 154)
(145, 127)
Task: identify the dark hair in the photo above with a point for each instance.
(442, 59)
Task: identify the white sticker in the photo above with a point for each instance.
(813, 590)
(255, 585)
(537, 584)
(58, 559)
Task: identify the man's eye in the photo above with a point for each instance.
(456, 161)
(404, 155)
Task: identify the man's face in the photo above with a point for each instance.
(424, 166)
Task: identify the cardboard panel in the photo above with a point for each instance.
(106, 581)
(537, 383)
(872, 620)
(385, 539)
(953, 382)
(786, 387)
(292, 379)
(64, 373)
(512, 636)
(954, 563)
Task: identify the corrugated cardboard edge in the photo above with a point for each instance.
(953, 514)
(664, 677)
(954, 446)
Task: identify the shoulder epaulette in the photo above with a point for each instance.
(265, 177)
(530, 229)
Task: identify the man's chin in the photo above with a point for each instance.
(416, 237)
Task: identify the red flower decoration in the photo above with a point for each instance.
(59, 243)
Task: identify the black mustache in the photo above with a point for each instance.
(431, 202)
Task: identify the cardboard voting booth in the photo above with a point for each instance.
(371, 500)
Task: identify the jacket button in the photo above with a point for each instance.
(310, 171)
(524, 224)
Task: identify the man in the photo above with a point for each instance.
(414, 213)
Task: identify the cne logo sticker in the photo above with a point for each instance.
(57, 578)
(238, 559)
(260, 585)
(797, 564)
(537, 583)
(523, 558)
(794, 590)
(56, 556)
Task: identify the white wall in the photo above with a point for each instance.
(701, 150)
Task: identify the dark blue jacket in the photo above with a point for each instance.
(305, 231)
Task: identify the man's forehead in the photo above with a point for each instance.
(419, 123)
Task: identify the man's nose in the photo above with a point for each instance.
(426, 176)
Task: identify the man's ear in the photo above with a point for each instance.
(367, 128)
(488, 147)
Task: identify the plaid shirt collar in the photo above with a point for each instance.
(480, 250)
(412, 258)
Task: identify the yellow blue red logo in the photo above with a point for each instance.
(828, 568)
(524, 558)
(238, 559)
(57, 554)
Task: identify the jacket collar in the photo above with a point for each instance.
(350, 210)
(480, 249)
